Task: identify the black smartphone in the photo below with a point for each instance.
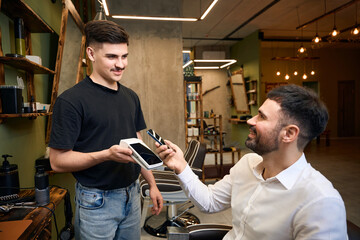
(156, 137)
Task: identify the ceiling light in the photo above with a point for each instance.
(186, 51)
(187, 64)
(312, 72)
(355, 31)
(100, 15)
(287, 77)
(316, 39)
(295, 73)
(301, 49)
(155, 18)
(334, 32)
(208, 10)
(206, 67)
(227, 62)
(304, 76)
(278, 73)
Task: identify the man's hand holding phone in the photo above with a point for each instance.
(172, 157)
(157, 137)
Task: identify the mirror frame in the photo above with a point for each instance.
(68, 10)
(232, 84)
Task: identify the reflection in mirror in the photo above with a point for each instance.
(71, 49)
(239, 92)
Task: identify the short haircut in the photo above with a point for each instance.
(302, 107)
(103, 31)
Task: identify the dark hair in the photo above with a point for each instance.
(103, 31)
(302, 107)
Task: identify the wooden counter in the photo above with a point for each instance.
(40, 227)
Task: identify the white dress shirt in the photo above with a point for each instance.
(298, 203)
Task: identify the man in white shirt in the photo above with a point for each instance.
(273, 193)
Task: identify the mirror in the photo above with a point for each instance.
(238, 91)
(71, 49)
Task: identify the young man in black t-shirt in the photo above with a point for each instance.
(89, 120)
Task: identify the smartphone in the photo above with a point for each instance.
(142, 154)
(156, 137)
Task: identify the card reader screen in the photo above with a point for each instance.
(145, 153)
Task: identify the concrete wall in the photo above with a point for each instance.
(154, 71)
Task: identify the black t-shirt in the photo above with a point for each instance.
(90, 117)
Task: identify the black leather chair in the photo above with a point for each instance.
(172, 193)
(218, 231)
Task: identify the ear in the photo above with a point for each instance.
(90, 53)
(290, 133)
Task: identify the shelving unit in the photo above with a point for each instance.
(193, 108)
(215, 136)
(33, 23)
(251, 91)
(195, 119)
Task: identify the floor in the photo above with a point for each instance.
(339, 162)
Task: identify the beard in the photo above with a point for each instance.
(264, 143)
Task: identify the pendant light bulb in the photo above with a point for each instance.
(334, 32)
(312, 72)
(287, 77)
(355, 31)
(304, 76)
(278, 73)
(316, 39)
(301, 49)
(295, 73)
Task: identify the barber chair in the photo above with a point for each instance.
(172, 193)
(218, 231)
(199, 232)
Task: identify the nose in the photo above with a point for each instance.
(120, 63)
(252, 121)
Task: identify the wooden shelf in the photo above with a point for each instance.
(294, 58)
(24, 115)
(236, 120)
(19, 9)
(25, 64)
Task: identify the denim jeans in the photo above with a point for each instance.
(107, 214)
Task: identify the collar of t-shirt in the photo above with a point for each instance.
(286, 177)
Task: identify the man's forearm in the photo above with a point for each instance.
(149, 177)
(72, 161)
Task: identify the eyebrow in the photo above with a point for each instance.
(113, 54)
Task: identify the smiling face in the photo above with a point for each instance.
(265, 129)
(109, 62)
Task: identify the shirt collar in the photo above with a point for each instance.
(289, 176)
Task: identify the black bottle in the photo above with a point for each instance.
(9, 177)
(42, 195)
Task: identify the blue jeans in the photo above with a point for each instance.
(107, 214)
